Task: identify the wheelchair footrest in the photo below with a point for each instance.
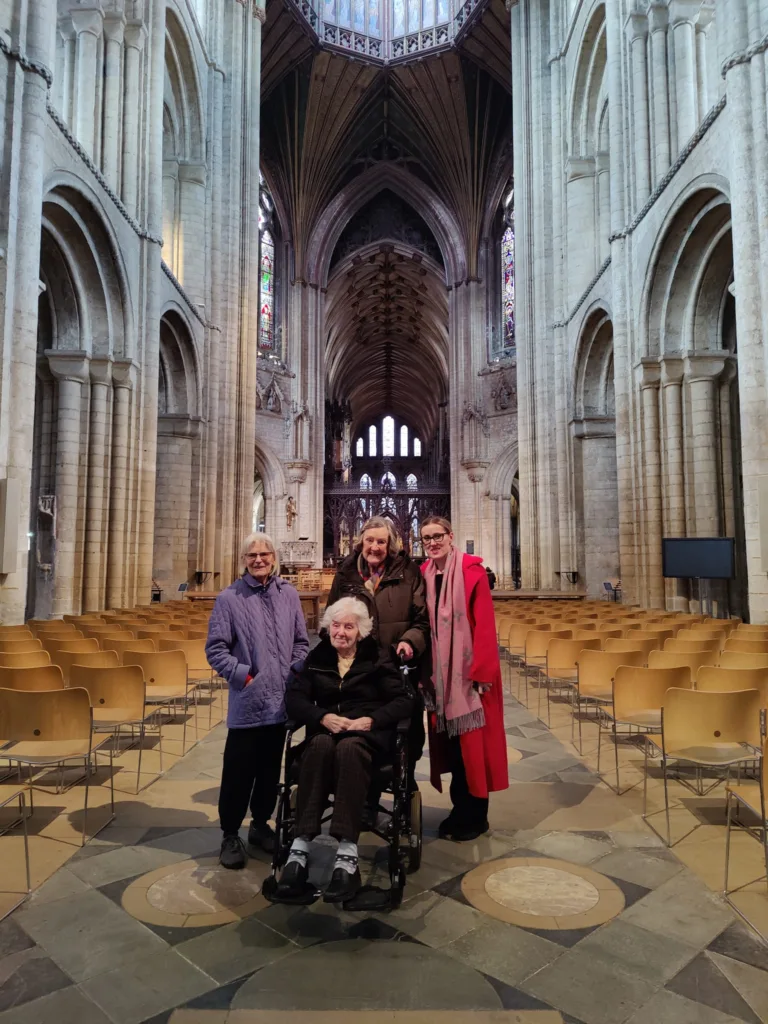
(306, 898)
(371, 898)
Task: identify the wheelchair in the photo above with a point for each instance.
(399, 827)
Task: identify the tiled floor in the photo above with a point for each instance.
(570, 910)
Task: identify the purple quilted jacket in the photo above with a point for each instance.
(260, 632)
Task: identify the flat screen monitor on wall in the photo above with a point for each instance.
(706, 558)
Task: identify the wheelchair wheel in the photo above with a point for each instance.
(415, 837)
(283, 828)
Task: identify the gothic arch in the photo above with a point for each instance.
(593, 368)
(85, 296)
(179, 379)
(269, 468)
(502, 471)
(588, 87)
(183, 106)
(360, 191)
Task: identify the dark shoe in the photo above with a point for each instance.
(293, 880)
(261, 837)
(233, 853)
(467, 835)
(446, 827)
(342, 886)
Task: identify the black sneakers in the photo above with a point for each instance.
(261, 837)
(233, 855)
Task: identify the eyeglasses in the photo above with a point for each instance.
(259, 554)
(433, 538)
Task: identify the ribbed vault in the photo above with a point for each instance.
(387, 324)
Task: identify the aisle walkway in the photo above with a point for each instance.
(569, 911)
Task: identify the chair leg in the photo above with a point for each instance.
(160, 738)
(578, 715)
(141, 747)
(666, 798)
(616, 757)
(23, 812)
(728, 806)
(85, 802)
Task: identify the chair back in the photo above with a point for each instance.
(699, 634)
(537, 641)
(20, 646)
(66, 659)
(736, 659)
(744, 631)
(27, 659)
(194, 652)
(151, 628)
(695, 717)
(746, 646)
(115, 634)
(50, 625)
(562, 655)
(518, 631)
(93, 630)
(637, 689)
(121, 646)
(120, 687)
(81, 646)
(674, 659)
(160, 668)
(42, 677)
(598, 634)
(16, 633)
(159, 636)
(598, 668)
(724, 680)
(45, 716)
(627, 645)
(195, 634)
(692, 646)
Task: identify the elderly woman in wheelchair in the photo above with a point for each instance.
(351, 701)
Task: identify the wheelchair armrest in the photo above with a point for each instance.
(404, 725)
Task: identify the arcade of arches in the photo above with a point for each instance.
(280, 265)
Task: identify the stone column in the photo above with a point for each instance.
(191, 246)
(657, 21)
(706, 95)
(637, 34)
(171, 214)
(89, 23)
(682, 15)
(702, 372)
(603, 165)
(726, 447)
(123, 373)
(114, 30)
(94, 566)
(70, 370)
(135, 34)
(674, 475)
(65, 85)
(25, 174)
(649, 387)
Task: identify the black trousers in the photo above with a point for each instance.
(469, 812)
(341, 765)
(250, 775)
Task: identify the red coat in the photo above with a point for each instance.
(484, 750)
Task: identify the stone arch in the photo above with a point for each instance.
(179, 385)
(182, 95)
(500, 536)
(593, 370)
(361, 190)
(274, 493)
(588, 87)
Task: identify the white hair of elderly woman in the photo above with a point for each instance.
(348, 606)
(266, 541)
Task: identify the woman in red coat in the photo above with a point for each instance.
(463, 697)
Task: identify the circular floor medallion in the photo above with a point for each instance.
(539, 892)
(196, 893)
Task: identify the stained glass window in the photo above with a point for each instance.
(403, 442)
(372, 442)
(414, 10)
(267, 292)
(374, 20)
(365, 482)
(388, 437)
(344, 13)
(508, 286)
(360, 448)
(388, 480)
(359, 8)
(417, 448)
(442, 11)
(398, 21)
(411, 482)
(429, 13)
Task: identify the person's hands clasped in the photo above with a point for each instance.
(405, 648)
(335, 723)
(360, 725)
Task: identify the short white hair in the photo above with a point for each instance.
(266, 540)
(351, 606)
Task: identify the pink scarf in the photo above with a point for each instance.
(457, 703)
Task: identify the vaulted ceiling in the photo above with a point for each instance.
(442, 123)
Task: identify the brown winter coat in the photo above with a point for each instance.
(399, 607)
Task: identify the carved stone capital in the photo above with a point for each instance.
(259, 12)
(135, 35)
(124, 373)
(705, 366)
(672, 370)
(178, 425)
(101, 371)
(650, 373)
(88, 20)
(636, 27)
(72, 365)
(297, 471)
(195, 174)
(681, 11)
(475, 470)
(114, 27)
(658, 17)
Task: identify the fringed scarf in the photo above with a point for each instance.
(456, 702)
(371, 577)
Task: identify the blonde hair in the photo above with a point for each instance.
(436, 521)
(260, 538)
(349, 606)
(394, 541)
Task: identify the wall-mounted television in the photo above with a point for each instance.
(706, 558)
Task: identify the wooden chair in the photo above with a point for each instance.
(736, 659)
(627, 646)
(535, 656)
(52, 626)
(29, 659)
(20, 646)
(746, 646)
(637, 697)
(692, 660)
(595, 670)
(744, 631)
(81, 646)
(692, 646)
(723, 680)
(8, 797)
(44, 677)
(67, 659)
(751, 795)
(165, 675)
(51, 728)
(16, 633)
(118, 699)
(199, 672)
(561, 666)
(707, 730)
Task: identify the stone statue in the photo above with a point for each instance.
(291, 512)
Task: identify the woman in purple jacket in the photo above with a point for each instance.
(256, 634)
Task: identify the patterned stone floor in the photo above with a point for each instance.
(570, 910)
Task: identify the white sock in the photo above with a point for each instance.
(346, 856)
(299, 853)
